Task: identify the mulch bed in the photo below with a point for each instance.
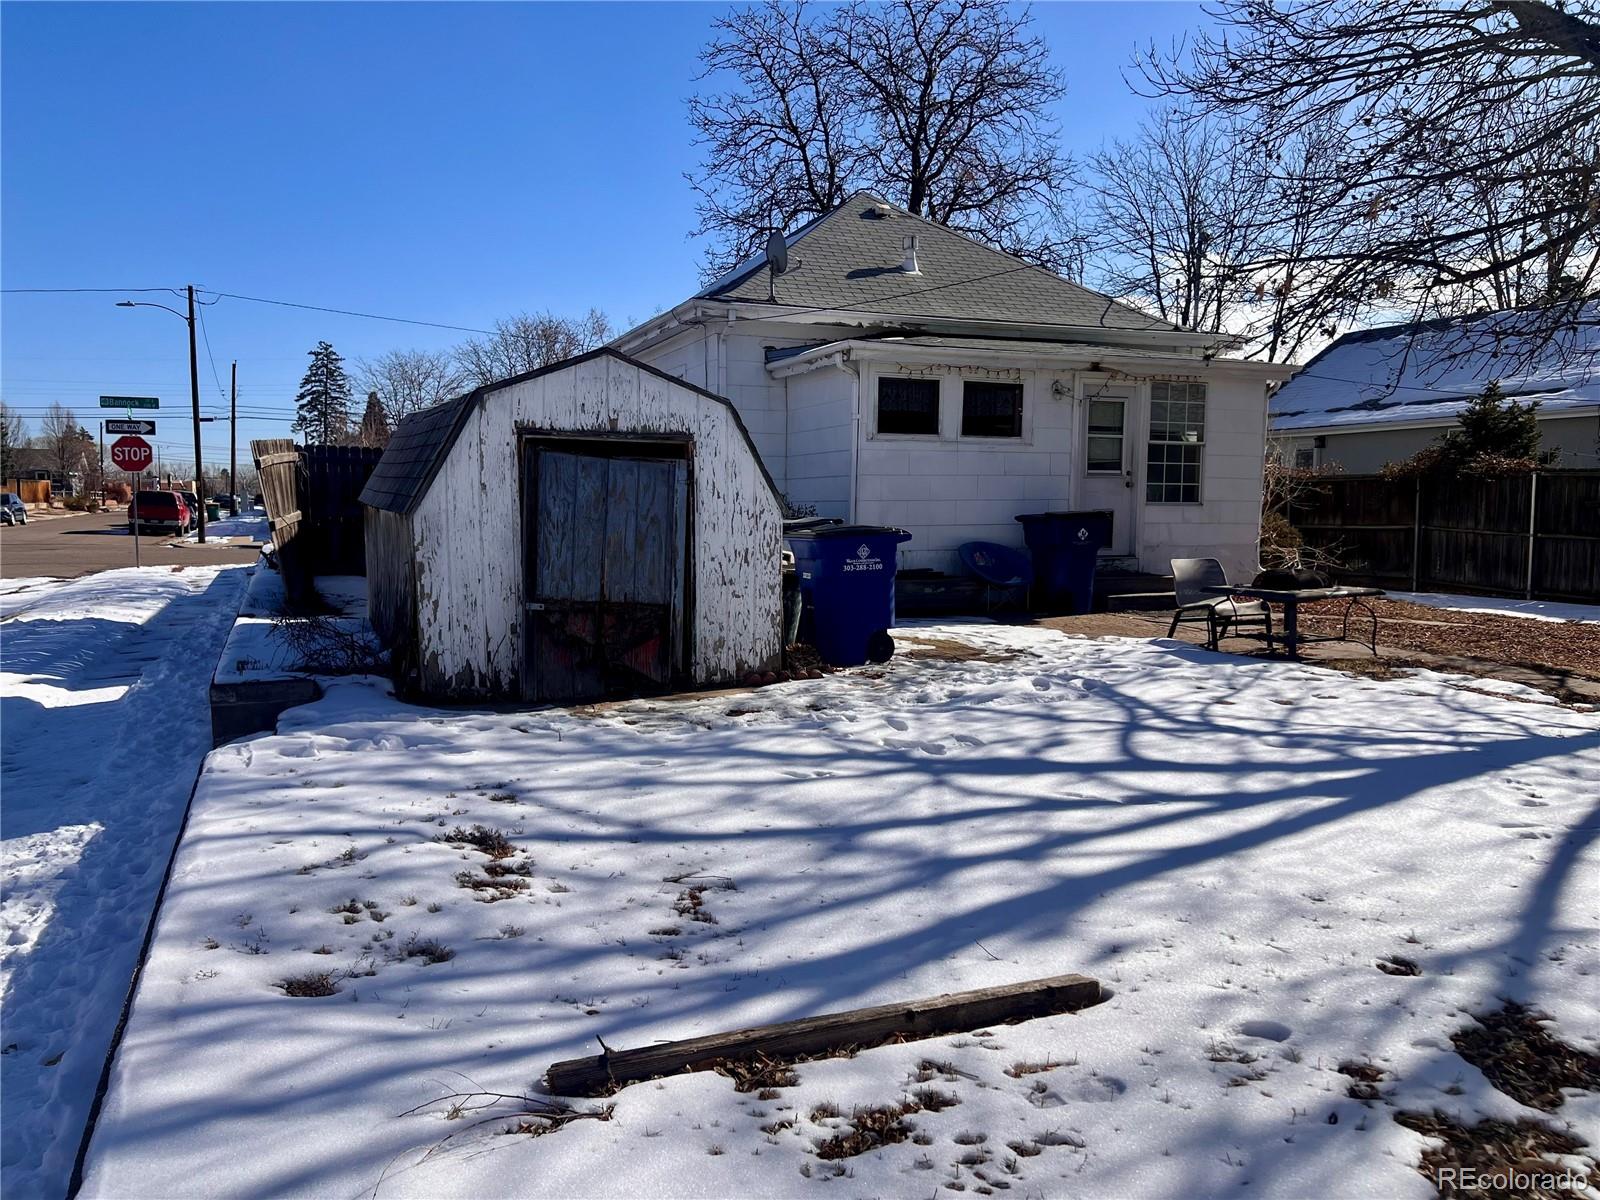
(1518, 1055)
(1560, 645)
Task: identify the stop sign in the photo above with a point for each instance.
(132, 454)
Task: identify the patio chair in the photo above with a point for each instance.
(1190, 578)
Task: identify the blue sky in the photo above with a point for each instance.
(450, 163)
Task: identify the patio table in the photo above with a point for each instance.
(1290, 600)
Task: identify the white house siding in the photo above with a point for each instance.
(821, 425)
(947, 490)
(468, 527)
(1226, 524)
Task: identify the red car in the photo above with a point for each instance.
(158, 511)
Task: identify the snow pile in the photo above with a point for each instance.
(1231, 845)
(256, 648)
(103, 702)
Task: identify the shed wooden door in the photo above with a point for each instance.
(604, 576)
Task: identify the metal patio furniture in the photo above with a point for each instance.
(1197, 583)
(1290, 599)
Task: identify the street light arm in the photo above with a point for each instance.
(150, 304)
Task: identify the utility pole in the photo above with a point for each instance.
(194, 396)
(233, 443)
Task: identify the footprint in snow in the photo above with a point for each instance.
(1099, 1089)
(896, 723)
(1272, 1031)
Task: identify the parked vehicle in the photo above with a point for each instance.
(193, 502)
(14, 510)
(159, 511)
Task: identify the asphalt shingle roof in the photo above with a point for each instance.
(416, 448)
(851, 259)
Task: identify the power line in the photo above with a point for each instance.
(345, 312)
(69, 291)
(201, 313)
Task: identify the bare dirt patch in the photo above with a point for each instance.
(1519, 1056)
(945, 649)
(1513, 1156)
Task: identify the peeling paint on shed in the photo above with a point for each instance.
(447, 569)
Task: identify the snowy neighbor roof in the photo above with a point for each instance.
(421, 442)
(850, 259)
(1429, 371)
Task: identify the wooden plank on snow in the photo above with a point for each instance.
(856, 1028)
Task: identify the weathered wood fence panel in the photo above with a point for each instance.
(278, 467)
(333, 477)
(312, 494)
(1535, 536)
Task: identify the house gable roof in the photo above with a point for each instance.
(1428, 372)
(850, 260)
(421, 442)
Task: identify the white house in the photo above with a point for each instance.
(899, 373)
(1377, 396)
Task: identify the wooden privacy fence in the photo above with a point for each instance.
(312, 494)
(1536, 536)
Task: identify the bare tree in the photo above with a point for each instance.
(13, 436)
(528, 342)
(407, 381)
(780, 147)
(1444, 99)
(937, 105)
(70, 446)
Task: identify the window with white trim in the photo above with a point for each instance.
(991, 409)
(1177, 443)
(908, 405)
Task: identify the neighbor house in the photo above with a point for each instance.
(1378, 396)
(895, 372)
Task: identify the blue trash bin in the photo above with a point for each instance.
(847, 584)
(1065, 547)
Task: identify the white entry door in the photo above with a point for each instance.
(1106, 455)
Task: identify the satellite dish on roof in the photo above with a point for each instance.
(777, 253)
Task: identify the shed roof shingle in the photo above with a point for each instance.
(850, 259)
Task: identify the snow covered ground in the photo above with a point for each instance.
(1504, 606)
(251, 523)
(1229, 844)
(105, 722)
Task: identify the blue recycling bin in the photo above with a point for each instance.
(847, 585)
(1065, 547)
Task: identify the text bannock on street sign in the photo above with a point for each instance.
(132, 454)
(130, 402)
(145, 427)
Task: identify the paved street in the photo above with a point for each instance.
(67, 547)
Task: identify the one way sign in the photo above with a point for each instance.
(139, 427)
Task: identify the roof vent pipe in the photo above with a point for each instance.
(909, 244)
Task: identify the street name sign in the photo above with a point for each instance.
(145, 427)
(130, 402)
(132, 454)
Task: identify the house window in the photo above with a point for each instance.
(991, 409)
(908, 405)
(1106, 418)
(1305, 459)
(1177, 443)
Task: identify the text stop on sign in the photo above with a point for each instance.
(132, 454)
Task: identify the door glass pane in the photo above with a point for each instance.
(1105, 453)
(1105, 416)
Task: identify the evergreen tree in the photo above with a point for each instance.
(1493, 425)
(374, 423)
(323, 402)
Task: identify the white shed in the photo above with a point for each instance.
(592, 528)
